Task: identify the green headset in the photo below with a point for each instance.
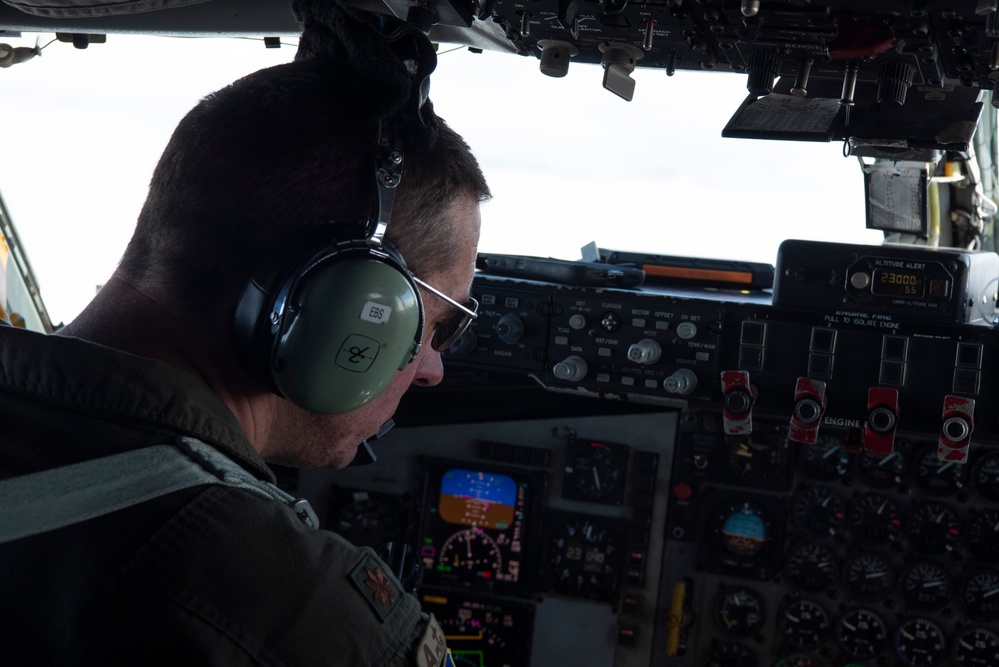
(329, 329)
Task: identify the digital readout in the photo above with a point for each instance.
(898, 283)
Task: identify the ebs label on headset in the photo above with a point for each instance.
(357, 353)
(376, 312)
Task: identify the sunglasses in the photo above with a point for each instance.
(448, 331)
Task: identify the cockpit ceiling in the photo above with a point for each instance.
(896, 75)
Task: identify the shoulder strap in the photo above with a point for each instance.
(43, 501)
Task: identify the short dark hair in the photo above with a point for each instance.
(258, 164)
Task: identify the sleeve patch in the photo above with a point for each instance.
(432, 649)
(378, 587)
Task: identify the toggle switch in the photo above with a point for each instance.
(618, 61)
(737, 403)
(809, 406)
(800, 87)
(955, 432)
(882, 419)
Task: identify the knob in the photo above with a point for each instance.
(618, 61)
(510, 329)
(577, 321)
(570, 369)
(422, 17)
(555, 57)
(763, 68)
(645, 351)
(894, 79)
(682, 382)
(686, 330)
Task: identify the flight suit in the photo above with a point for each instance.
(209, 575)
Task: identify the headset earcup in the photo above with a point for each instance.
(352, 323)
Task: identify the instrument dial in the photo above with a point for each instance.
(811, 566)
(817, 510)
(804, 624)
(874, 518)
(869, 576)
(758, 459)
(919, 642)
(595, 471)
(976, 647)
(739, 610)
(825, 459)
(986, 475)
(585, 557)
(883, 470)
(983, 534)
(472, 550)
(936, 477)
(926, 585)
(743, 536)
(979, 593)
(933, 528)
(861, 633)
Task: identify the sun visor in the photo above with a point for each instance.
(78, 9)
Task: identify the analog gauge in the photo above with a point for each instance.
(874, 518)
(936, 477)
(932, 528)
(868, 576)
(861, 633)
(595, 472)
(811, 566)
(983, 534)
(585, 556)
(758, 459)
(883, 470)
(744, 535)
(471, 550)
(979, 593)
(739, 610)
(926, 585)
(919, 642)
(817, 510)
(804, 624)
(825, 459)
(976, 647)
(728, 654)
(367, 521)
(986, 475)
(798, 660)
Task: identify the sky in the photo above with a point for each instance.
(568, 162)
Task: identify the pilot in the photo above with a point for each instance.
(304, 255)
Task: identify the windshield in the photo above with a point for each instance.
(567, 161)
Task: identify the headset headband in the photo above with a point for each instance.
(388, 174)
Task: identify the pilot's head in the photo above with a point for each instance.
(270, 169)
